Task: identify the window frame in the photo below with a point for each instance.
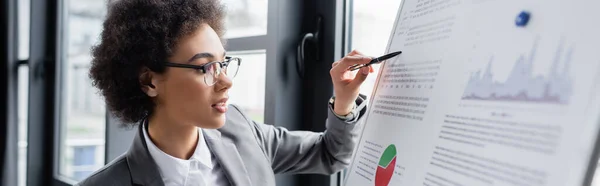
(348, 22)
(316, 86)
(43, 52)
(8, 96)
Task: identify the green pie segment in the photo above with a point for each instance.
(388, 155)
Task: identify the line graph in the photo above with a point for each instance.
(522, 85)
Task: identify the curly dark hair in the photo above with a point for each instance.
(142, 34)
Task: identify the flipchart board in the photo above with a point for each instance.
(486, 92)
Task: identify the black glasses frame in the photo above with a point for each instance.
(222, 64)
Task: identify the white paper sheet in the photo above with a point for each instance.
(475, 99)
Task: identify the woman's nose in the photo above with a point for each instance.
(224, 82)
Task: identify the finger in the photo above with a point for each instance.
(371, 69)
(352, 60)
(334, 64)
(360, 77)
(355, 53)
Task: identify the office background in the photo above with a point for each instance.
(58, 130)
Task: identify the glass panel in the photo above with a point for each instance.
(248, 91)
(246, 18)
(369, 41)
(23, 24)
(23, 100)
(24, 11)
(83, 117)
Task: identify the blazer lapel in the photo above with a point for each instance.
(228, 157)
(142, 167)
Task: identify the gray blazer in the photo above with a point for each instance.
(249, 152)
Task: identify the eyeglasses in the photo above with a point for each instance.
(213, 69)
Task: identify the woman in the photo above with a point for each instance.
(162, 64)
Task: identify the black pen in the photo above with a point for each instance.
(375, 60)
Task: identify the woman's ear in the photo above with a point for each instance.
(146, 78)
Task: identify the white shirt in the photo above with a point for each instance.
(202, 169)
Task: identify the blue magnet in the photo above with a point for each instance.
(522, 19)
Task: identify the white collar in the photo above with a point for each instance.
(174, 168)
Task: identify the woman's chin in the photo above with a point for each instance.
(213, 124)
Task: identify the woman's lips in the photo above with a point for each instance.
(220, 107)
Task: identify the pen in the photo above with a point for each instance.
(375, 60)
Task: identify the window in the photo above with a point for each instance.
(82, 114)
(24, 9)
(248, 90)
(245, 18)
(246, 33)
(369, 41)
(23, 92)
(23, 24)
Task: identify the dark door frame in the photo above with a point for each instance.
(8, 92)
(42, 133)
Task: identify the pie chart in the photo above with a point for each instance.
(385, 169)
